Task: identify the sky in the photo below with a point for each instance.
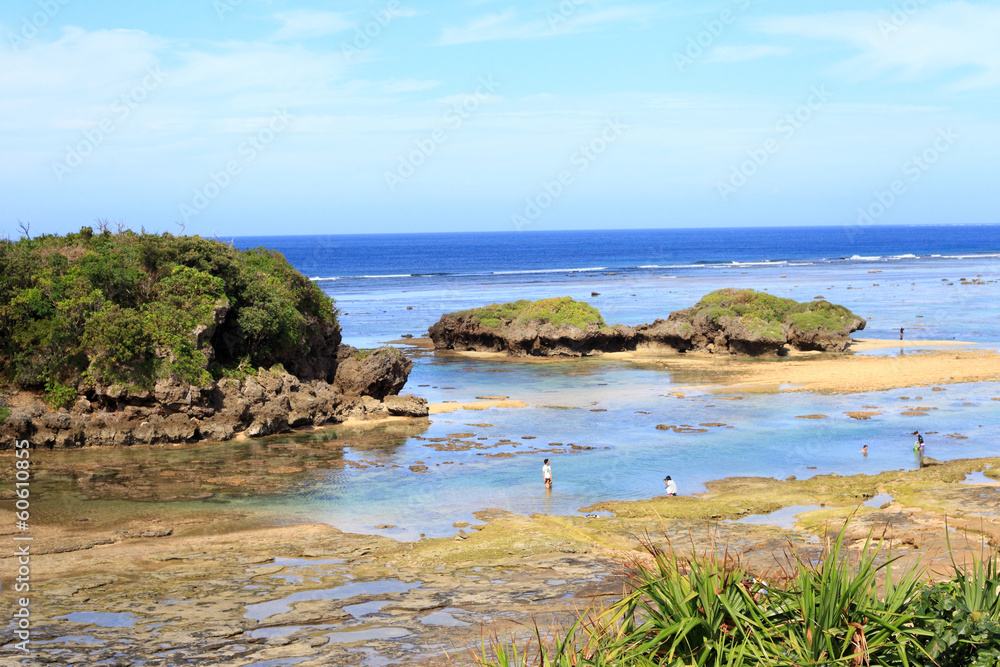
(261, 117)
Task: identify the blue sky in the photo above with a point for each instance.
(271, 117)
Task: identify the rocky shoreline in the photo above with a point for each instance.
(365, 386)
(141, 587)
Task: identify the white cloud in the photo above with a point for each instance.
(308, 24)
(510, 25)
(933, 40)
(739, 54)
(54, 89)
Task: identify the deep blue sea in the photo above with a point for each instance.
(487, 254)
(389, 285)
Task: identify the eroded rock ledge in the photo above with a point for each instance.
(366, 386)
(732, 321)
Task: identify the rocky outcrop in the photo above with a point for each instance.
(536, 338)
(377, 374)
(727, 321)
(365, 387)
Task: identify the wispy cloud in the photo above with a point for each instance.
(932, 40)
(309, 24)
(509, 24)
(739, 54)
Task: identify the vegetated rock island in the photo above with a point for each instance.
(116, 339)
(732, 321)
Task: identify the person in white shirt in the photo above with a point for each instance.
(671, 486)
(547, 474)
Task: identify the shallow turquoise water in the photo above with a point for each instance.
(628, 456)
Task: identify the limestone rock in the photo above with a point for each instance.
(733, 321)
(377, 373)
(406, 406)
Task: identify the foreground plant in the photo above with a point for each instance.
(962, 616)
(841, 610)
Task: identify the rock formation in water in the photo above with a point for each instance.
(733, 321)
(549, 327)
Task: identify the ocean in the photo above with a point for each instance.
(386, 286)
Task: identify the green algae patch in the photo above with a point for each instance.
(557, 312)
(508, 537)
(937, 488)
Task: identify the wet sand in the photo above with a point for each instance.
(439, 408)
(848, 374)
(918, 364)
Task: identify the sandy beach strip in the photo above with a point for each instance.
(846, 374)
(439, 408)
(916, 365)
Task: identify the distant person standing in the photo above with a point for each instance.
(671, 486)
(900, 333)
(547, 474)
(864, 450)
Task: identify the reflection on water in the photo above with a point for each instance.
(353, 636)
(101, 619)
(878, 500)
(265, 610)
(444, 618)
(978, 477)
(783, 518)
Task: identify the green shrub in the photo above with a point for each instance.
(557, 312)
(768, 330)
(748, 302)
(962, 616)
(716, 313)
(59, 395)
(4, 413)
(127, 308)
(772, 312)
(820, 315)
